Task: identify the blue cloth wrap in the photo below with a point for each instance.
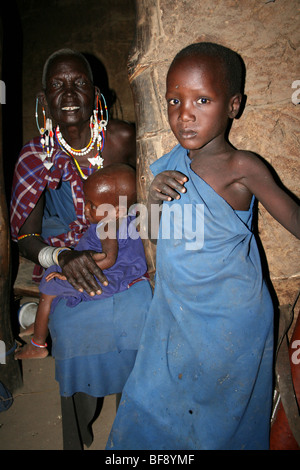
(203, 374)
(95, 339)
(95, 343)
(59, 210)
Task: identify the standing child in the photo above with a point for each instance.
(203, 374)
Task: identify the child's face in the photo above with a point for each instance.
(198, 102)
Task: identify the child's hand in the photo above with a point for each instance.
(55, 274)
(167, 185)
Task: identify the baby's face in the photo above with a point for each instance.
(98, 205)
(198, 102)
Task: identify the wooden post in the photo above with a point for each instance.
(153, 132)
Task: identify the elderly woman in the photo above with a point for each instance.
(47, 203)
(48, 219)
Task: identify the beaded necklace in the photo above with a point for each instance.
(97, 160)
(68, 147)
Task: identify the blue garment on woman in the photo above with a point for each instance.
(203, 374)
(59, 210)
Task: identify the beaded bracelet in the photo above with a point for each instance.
(29, 235)
(39, 345)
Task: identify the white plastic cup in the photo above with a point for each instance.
(27, 314)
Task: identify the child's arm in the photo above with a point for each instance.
(277, 202)
(110, 248)
(166, 186)
(54, 274)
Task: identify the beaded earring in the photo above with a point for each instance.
(47, 137)
(98, 128)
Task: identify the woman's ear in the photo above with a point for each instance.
(41, 97)
(97, 93)
(234, 105)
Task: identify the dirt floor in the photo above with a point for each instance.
(33, 422)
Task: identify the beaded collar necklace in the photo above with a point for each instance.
(97, 160)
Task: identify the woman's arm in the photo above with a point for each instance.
(30, 246)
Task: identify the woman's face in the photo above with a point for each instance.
(69, 91)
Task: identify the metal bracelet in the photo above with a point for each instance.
(45, 256)
(48, 256)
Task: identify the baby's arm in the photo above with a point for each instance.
(110, 248)
(259, 180)
(55, 274)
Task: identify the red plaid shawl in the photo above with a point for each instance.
(30, 180)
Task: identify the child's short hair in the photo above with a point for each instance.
(232, 62)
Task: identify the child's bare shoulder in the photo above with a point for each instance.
(247, 160)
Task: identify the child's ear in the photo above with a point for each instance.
(234, 105)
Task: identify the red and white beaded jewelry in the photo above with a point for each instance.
(38, 345)
(47, 137)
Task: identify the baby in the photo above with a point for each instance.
(105, 213)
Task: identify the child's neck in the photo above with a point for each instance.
(211, 150)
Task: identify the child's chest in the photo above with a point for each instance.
(225, 181)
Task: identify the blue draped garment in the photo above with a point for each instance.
(203, 374)
(95, 339)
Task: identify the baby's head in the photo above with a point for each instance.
(105, 186)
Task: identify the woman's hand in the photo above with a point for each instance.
(166, 186)
(80, 267)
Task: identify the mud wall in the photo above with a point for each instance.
(103, 29)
